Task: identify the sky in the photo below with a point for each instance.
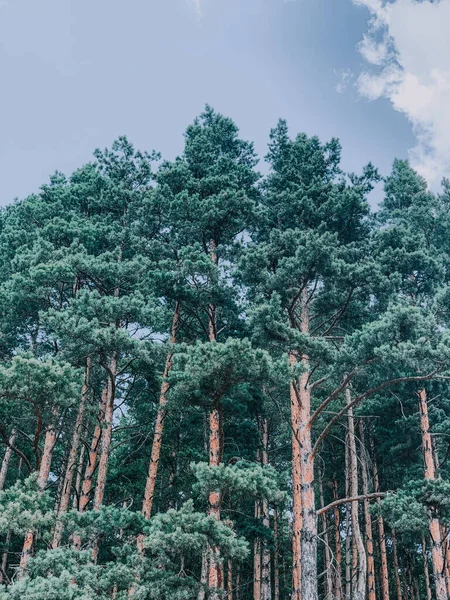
(76, 74)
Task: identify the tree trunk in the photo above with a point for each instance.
(7, 459)
(215, 447)
(106, 435)
(266, 590)
(326, 551)
(309, 515)
(77, 490)
(437, 556)
(72, 459)
(44, 472)
(398, 583)
(381, 534)
(338, 546)
(360, 587)
(93, 453)
(257, 558)
(367, 518)
(230, 580)
(425, 569)
(296, 492)
(348, 531)
(159, 425)
(276, 559)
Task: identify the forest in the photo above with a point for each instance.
(225, 377)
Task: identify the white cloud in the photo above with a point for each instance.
(408, 48)
(344, 77)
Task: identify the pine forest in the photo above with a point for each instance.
(226, 377)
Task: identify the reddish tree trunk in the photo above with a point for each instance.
(7, 459)
(159, 425)
(276, 560)
(72, 459)
(257, 559)
(367, 518)
(93, 453)
(44, 472)
(266, 590)
(326, 549)
(106, 435)
(381, 533)
(296, 492)
(398, 583)
(338, 546)
(437, 556)
(425, 569)
(309, 515)
(360, 585)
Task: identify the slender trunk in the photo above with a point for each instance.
(437, 556)
(93, 453)
(348, 531)
(257, 550)
(3, 575)
(72, 459)
(326, 541)
(44, 472)
(203, 575)
(296, 492)
(106, 435)
(425, 568)
(3, 474)
(276, 561)
(360, 587)
(159, 425)
(338, 546)
(367, 517)
(309, 515)
(77, 489)
(230, 580)
(266, 590)
(398, 583)
(215, 447)
(381, 534)
(7, 459)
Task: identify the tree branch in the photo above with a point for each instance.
(358, 399)
(341, 501)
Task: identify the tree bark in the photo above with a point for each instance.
(309, 515)
(266, 588)
(296, 492)
(77, 489)
(338, 546)
(425, 569)
(381, 533)
(326, 551)
(367, 518)
(348, 530)
(437, 556)
(106, 435)
(44, 472)
(7, 459)
(230, 580)
(72, 459)
(159, 425)
(93, 452)
(398, 583)
(360, 586)
(257, 558)
(215, 447)
(276, 558)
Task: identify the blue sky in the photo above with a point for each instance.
(78, 73)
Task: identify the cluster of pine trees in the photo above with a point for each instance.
(215, 384)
